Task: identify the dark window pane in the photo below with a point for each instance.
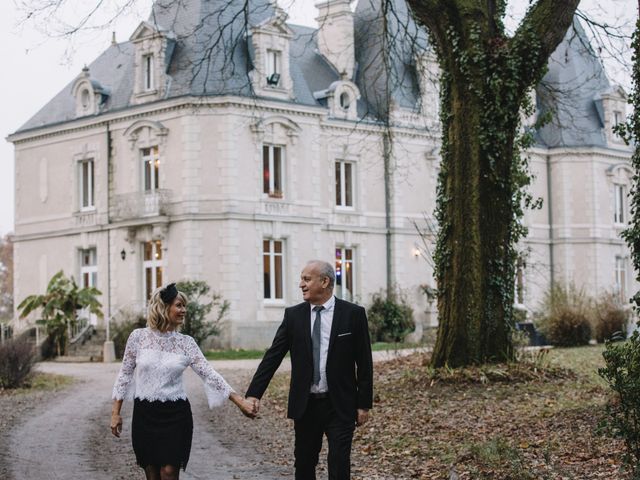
(158, 245)
(158, 276)
(338, 187)
(348, 185)
(148, 277)
(277, 246)
(277, 169)
(278, 275)
(148, 250)
(265, 169)
(267, 276)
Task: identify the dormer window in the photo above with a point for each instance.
(89, 94)
(270, 76)
(147, 63)
(154, 48)
(341, 99)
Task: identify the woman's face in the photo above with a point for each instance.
(177, 311)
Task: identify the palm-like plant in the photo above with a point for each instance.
(59, 306)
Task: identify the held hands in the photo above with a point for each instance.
(248, 406)
(116, 424)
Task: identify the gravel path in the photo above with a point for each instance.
(66, 435)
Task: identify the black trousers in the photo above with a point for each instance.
(318, 420)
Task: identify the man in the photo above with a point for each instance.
(331, 372)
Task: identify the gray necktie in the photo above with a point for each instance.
(315, 341)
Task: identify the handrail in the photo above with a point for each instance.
(80, 330)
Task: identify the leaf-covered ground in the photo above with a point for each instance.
(536, 420)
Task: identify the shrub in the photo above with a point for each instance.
(622, 373)
(610, 318)
(390, 319)
(17, 357)
(120, 331)
(199, 305)
(564, 317)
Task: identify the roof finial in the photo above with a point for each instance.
(113, 38)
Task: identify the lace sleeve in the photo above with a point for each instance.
(215, 387)
(123, 388)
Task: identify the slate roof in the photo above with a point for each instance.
(212, 56)
(571, 90)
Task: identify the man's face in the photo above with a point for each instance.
(314, 286)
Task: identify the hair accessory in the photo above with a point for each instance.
(169, 293)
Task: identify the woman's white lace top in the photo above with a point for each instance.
(153, 364)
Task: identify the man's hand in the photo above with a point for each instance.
(363, 416)
(255, 405)
(116, 424)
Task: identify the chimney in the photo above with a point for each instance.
(335, 35)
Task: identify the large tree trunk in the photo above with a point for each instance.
(486, 76)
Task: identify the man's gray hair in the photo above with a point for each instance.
(325, 269)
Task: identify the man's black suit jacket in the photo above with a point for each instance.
(349, 365)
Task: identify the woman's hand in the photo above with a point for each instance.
(116, 424)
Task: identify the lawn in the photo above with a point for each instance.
(522, 421)
(240, 354)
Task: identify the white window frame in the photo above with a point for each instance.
(154, 264)
(89, 270)
(147, 72)
(89, 187)
(273, 192)
(151, 161)
(619, 203)
(343, 264)
(341, 184)
(272, 255)
(620, 274)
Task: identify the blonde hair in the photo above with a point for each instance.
(158, 311)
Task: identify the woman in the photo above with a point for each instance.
(151, 373)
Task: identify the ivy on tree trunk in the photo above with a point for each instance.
(486, 77)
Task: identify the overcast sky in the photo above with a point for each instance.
(36, 67)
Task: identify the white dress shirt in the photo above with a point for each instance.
(326, 320)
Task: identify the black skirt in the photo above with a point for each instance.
(161, 432)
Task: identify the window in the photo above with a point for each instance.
(273, 67)
(88, 268)
(152, 266)
(85, 173)
(345, 100)
(147, 65)
(621, 278)
(345, 277)
(519, 281)
(617, 118)
(344, 184)
(151, 168)
(273, 269)
(84, 99)
(620, 195)
(272, 170)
